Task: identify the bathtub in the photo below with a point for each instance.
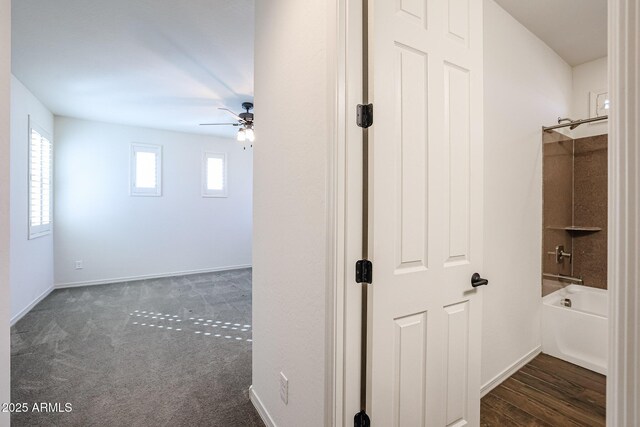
(578, 334)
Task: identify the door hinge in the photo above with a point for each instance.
(361, 419)
(364, 116)
(364, 271)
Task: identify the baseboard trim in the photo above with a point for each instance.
(262, 411)
(511, 369)
(28, 308)
(148, 276)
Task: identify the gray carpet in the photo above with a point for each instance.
(162, 352)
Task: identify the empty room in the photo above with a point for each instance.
(131, 219)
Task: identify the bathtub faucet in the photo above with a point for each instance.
(560, 254)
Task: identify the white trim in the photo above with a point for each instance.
(149, 276)
(33, 232)
(623, 373)
(334, 337)
(136, 148)
(510, 370)
(28, 308)
(348, 170)
(262, 411)
(593, 104)
(206, 192)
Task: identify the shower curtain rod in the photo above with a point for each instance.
(574, 123)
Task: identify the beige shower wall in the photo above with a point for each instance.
(590, 208)
(575, 194)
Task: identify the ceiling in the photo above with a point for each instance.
(575, 29)
(164, 64)
(170, 64)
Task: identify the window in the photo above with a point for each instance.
(40, 167)
(214, 175)
(146, 170)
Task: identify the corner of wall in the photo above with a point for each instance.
(290, 208)
(28, 284)
(5, 99)
(527, 85)
(262, 411)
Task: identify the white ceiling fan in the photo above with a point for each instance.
(244, 121)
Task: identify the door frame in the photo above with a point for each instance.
(344, 234)
(5, 142)
(624, 184)
(345, 211)
(335, 211)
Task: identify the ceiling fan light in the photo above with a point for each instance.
(241, 137)
(250, 135)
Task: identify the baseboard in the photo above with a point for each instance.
(511, 369)
(257, 403)
(149, 276)
(28, 308)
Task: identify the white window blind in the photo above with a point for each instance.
(40, 177)
(146, 170)
(214, 175)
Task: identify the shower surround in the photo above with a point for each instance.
(575, 209)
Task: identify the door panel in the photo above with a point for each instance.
(456, 136)
(410, 355)
(411, 114)
(425, 60)
(457, 360)
(458, 20)
(414, 10)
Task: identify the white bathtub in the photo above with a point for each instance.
(579, 334)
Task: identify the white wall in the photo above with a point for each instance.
(5, 96)
(31, 260)
(527, 85)
(588, 77)
(119, 236)
(290, 208)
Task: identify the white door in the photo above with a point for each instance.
(426, 206)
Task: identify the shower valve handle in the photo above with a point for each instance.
(560, 254)
(476, 280)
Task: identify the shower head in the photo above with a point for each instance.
(574, 123)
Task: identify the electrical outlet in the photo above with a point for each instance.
(79, 265)
(284, 389)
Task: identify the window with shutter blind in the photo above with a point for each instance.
(40, 185)
(214, 175)
(146, 170)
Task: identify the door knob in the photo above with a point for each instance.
(476, 280)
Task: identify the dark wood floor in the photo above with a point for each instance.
(547, 392)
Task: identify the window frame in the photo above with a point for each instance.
(205, 172)
(35, 231)
(134, 191)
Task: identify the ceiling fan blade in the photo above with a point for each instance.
(219, 124)
(234, 114)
